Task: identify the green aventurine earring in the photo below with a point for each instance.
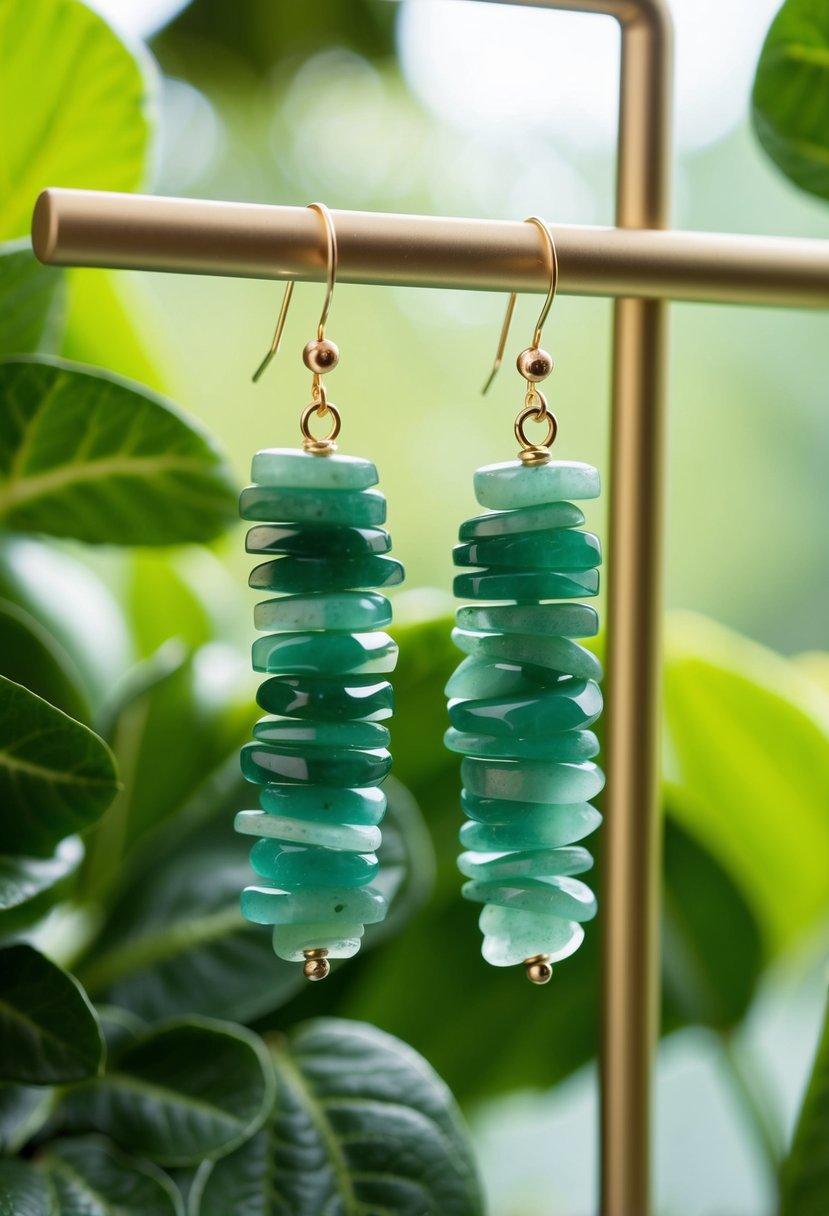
(321, 753)
(522, 703)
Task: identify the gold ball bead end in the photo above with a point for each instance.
(539, 969)
(320, 356)
(316, 966)
(534, 364)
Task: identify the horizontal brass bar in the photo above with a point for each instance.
(253, 240)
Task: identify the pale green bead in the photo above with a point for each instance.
(531, 863)
(572, 745)
(350, 837)
(313, 905)
(563, 620)
(291, 941)
(566, 897)
(511, 936)
(532, 780)
(535, 827)
(553, 653)
(326, 653)
(355, 611)
(294, 469)
(302, 733)
(324, 804)
(515, 484)
(527, 519)
(478, 677)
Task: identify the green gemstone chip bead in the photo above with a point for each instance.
(515, 484)
(349, 767)
(526, 519)
(559, 654)
(354, 508)
(326, 804)
(526, 585)
(353, 610)
(293, 865)
(564, 620)
(301, 574)
(298, 540)
(325, 654)
(289, 733)
(300, 470)
(559, 549)
(328, 699)
(272, 906)
(570, 745)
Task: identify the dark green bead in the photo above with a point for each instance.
(354, 508)
(262, 762)
(289, 733)
(328, 700)
(297, 540)
(558, 549)
(479, 677)
(555, 653)
(290, 866)
(568, 705)
(569, 745)
(325, 653)
(498, 825)
(522, 585)
(526, 519)
(302, 574)
(565, 897)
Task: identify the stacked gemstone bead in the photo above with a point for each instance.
(321, 752)
(521, 705)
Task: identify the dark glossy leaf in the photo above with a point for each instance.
(29, 655)
(23, 1111)
(790, 100)
(25, 1191)
(185, 1091)
(91, 1178)
(361, 1124)
(805, 1173)
(89, 455)
(56, 776)
(49, 1032)
(31, 300)
(30, 885)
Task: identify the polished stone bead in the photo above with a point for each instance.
(557, 654)
(526, 519)
(329, 700)
(496, 826)
(554, 550)
(292, 865)
(532, 780)
(523, 585)
(563, 620)
(528, 863)
(298, 540)
(270, 906)
(325, 653)
(327, 805)
(262, 762)
(568, 705)
(291, 941)
(292, 734)
(511, 936)
(344, 610)
(354, 508)
(291, 468)
(476, 677)
(572, 745)
(515, 484)
(350, 837)
(301, 574)
(565, 897)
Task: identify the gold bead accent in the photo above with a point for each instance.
(534, 364)
(320, 447)
(539, 969)
(316, 966)
(320, 355)
(534, 455)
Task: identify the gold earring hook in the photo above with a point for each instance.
(548, 303)
(331, 278)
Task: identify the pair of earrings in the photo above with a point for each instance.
(520, 704)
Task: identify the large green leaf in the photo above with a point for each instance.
(56, 776)
(805, 1173)
(75, 106)
(29, 655)
(49, 1032)
(25, 1191)
(95, 457)
(360, 1125)
(31, 300)
(23, 1111)
(790, 101)
(29, 885)
(91, 1178)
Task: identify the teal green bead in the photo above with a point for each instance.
(325, 653)
(565, 897)
(511, 935)
(572, 745)
(527, 863)
(327, 805)
(557, 654)
(354, 508)
(568, 705)
(298, 540)
(532, 780)
(476, 677)
(497, 826)
(291, 468)
(526, 519)
(329, 700)
(353, 611)
(563, 620)
(554, 550)
(290, 865)
(515, 484)
(356, 905)
(340, 941)
(262, 762)
(349, 837)
(523, 585)
(308, 734)
(301, 574)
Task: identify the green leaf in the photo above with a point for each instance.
(23, 1111)
(91, 1178)
(187, 1090)
(790, 100)
(56, 776)
(24, 1191)
(49, 1032)
(361, 1124)
(76, 106)
(29, 655)
(805, 1174)
(30, 885)
(32, 300)
(101, 459)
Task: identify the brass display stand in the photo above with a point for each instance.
(641, 267)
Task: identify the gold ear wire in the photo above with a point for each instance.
(548, 303)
